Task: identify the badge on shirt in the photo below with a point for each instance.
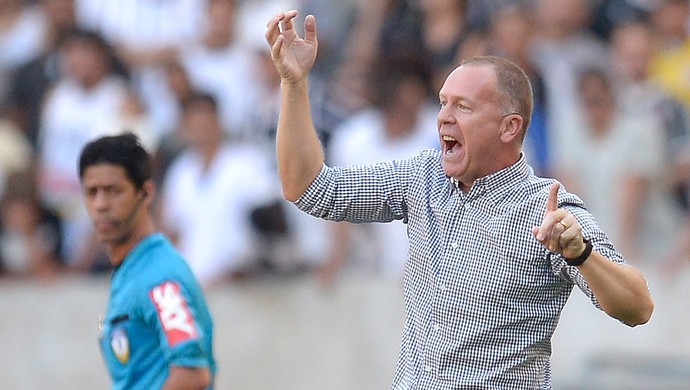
(120, 344)
(173, 312)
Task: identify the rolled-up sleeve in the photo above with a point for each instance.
(361, 193)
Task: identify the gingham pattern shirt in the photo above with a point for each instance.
(482, 296)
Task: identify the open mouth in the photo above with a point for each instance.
(450, 145)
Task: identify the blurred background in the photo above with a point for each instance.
(301, 303)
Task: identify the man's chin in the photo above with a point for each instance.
(448, 169)
(108, 238)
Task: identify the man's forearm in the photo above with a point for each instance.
(299, 151)
(621, 290)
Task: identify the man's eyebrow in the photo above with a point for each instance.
(454, 98)
(101, 186)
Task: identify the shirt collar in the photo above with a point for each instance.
(136, 252)
(493, 183)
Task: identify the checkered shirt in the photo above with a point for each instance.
(482, 296)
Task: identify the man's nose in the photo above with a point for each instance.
(444, 116)
(100, 201)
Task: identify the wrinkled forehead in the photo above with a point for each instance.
(470, 81)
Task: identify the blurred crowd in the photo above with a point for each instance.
(194, 79)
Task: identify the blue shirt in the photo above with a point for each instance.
(482, 295)
(156, 318)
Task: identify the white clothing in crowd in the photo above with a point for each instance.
(633, 146)
(209, 208)
(147, 26)
(71, 117)
(362, 140)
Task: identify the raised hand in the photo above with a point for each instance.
(292, 56)
(559, 231)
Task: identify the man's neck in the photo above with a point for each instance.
(118, 252)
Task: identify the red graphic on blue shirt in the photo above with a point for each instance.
(173, 312)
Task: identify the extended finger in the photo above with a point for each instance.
(552, 200)
(310, 29)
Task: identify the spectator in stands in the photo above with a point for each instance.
(338, 18)
(209, 193)
(32, 80)
(170, 142)
(221, 65)
(562, 48)
(147, 35)
(399, 124)
(633, 49)
(30, 233)
(670, 67)
(510, 35)
(22, 37)
(88, 94)
(608, 14)
(669, 19)
(444, 30)
(16, 153)
(616, 163)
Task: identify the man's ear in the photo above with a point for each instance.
(511, 128)
(148, 189)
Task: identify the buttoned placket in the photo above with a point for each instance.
(460, 204)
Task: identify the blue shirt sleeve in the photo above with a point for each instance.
(169, 310)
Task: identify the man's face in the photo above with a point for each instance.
(469, 123)
(84, 61)
(598, 102)
(633, 52)
(113, 203)
(202, 126)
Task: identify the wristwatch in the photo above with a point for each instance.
(583, 257)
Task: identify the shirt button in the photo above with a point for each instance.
(442, 287)
(454, 245)
(437, 327)
(467, 206)
(427, 368)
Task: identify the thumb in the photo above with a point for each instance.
(310, 29)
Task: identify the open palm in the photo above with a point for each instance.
(292, 56)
